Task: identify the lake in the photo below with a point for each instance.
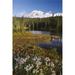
(39, 32)
(52, 44)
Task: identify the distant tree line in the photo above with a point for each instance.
(51, 24)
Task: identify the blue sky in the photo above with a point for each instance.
(20, 6)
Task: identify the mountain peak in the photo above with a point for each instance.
(39, 14)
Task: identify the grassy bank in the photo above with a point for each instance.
(30, 59)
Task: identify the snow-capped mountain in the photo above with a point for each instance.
(39, 14)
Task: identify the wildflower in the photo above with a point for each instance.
(27, 56)
(35, 58)
(35, 71)
(47, 59)
(22, 61)
(47, 63)
(41, 72)
(29, 67)
(17, 59)
(38, 63)
(16, 66)
(39, 59)
(53, 73)
(52, 65)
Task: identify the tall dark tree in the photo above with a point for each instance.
(53, 25)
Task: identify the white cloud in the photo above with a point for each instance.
(38, 14)
(58, 14)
